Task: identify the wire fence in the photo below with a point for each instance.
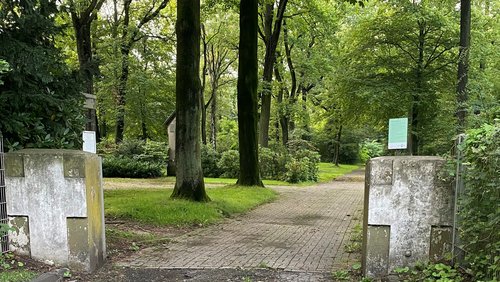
(4, 244)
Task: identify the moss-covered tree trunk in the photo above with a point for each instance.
(247, 95)
(189, 181)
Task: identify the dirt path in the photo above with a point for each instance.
(300, 237)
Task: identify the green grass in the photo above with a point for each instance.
(17, 275)
(164, 181)
(154, 206)
(328, 171)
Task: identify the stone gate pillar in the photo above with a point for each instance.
(408, 215)
(55, 205)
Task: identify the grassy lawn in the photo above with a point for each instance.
(168, 182)
(328, 171)
(154, 206)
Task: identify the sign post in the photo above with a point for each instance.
(398, 133)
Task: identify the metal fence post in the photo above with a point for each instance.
(458, 252)
(4, 242)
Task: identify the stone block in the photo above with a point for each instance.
(19, 237)
(441, 239)
(411, 204)
(61, 197)
(377, 250)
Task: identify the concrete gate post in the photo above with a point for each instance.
(55, 205)
(408, 215)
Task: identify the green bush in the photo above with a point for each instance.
(127, 167)
(229, 164)
(303, 166)
(480, 203)
(154, 152)
(272, 163)
(130, 148)
(297, 170)
(133, 158)
(40, 95)
(209, 159)
(370, 149)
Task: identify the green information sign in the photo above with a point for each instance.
(398, 133)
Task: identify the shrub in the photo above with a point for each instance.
(130, 148)
(302, 166)
(133, 158)
(128, 167)
(229, 164)
(479, 212)
(272, 164)
(154, 152)
(297, 170)
(209, 159)
(370, 149)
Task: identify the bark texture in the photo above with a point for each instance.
(463, 64)
(247, 95)
(272, 30)
(189, 182)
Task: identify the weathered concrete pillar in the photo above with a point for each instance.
(55, 205)
(408, 214)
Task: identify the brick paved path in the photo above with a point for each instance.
(305, 230)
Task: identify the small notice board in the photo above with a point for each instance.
(398, 133)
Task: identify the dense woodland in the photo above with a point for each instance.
(331, 72)
(280, 83)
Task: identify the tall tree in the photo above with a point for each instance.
(270, 35)
(189, 181)
(129, 37)
(247, 95)
(83, 13)
(463, 63)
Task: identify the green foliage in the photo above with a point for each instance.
(302, 167)
(12, 269)
(134, 158)
(127, 167)
(480, 203)
(439, 272)
(17, 275)
(370, 149)
(40, 97)
(4, 68)
(272, 163)
(209, 159)
(229, 164)
(154, 206)
(341, 275)
(349, 148)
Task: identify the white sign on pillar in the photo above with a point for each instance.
(89, 142)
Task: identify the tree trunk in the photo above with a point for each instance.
(203, 87)
(337, 146)
(213, 116)
(247, 95)
(283, 114)
(271, 40)
(122, 82)
(189, 181)
(414, 144)
(82, 23)
(463, 64)
(122, 91)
